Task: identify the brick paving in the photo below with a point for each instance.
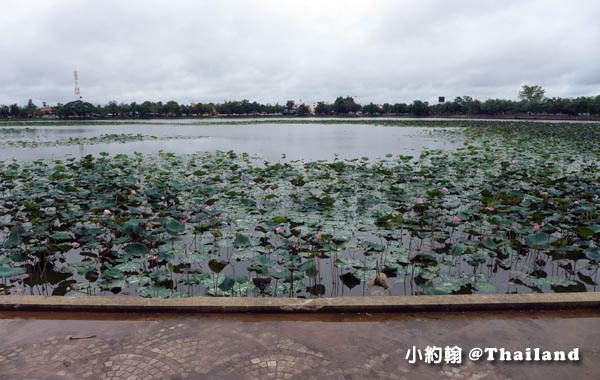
(37, 346)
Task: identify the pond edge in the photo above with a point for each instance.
(449, 303)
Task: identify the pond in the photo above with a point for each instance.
(457, 207)
(309, 142)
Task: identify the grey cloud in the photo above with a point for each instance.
(270, 51)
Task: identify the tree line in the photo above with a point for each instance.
(532, 101)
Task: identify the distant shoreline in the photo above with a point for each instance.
(328, 117)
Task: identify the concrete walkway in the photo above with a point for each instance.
(36, 346)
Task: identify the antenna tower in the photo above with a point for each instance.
(77, 91)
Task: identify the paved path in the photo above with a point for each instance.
(36, 346)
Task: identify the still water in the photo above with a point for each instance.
(309, 142)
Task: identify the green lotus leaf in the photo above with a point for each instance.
(61, 236)
(540, 240)
(174, 227)
(132, 227)
(593, 254)
(309, 268)
(12, 271)
(230, 280)
(137, 249)
(241, 241)
(458, 249)
(477, 258)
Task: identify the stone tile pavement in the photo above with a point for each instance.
(36, 346)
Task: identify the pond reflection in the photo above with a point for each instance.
(269, 141)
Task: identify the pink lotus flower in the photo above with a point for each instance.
(75, 245)
(133, 192)
(420, 201)
(278, 230)
(457, 219)
(445, 190)
(319, 235)
(536, 227)
(414, 178)
(491, 208)
(184, 220)
(207, 208)
(107, 212)
(251, 183)
(576, 202)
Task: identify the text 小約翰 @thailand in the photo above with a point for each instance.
(454, 355)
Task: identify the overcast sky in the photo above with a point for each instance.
(274, 50)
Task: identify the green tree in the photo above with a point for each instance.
(323, 108)
(371, 109)
(271, 109)
(172, 108)
(400, 108)
(345, 105)
(31, 109)
(145, 108)
(133, 109)
(112, 108)
(14, 110)
(339, 106)
(303, 110)
(77, 108)
(596, 106)
(419, 108)
(534, 94)
(157, 107)
(58, 108)
(352, 105)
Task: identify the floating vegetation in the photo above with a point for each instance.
(9, 131)
(514, 210)
(108, 138)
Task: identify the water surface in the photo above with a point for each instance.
(269, 141)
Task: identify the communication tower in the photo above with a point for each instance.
(77, 91)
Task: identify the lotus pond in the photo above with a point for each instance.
(498, 207)
(268, 140)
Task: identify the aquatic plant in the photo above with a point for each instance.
(515, 209)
